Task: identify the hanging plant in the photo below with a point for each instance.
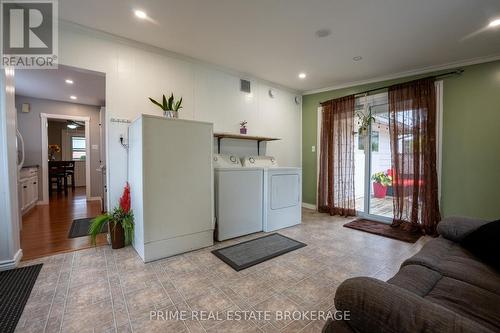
(365, 120)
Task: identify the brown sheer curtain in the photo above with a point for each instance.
(412, 123)
(336, 171)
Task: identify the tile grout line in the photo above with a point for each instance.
(163, 287)
(183, 298)
(67, 291)
(53, 297)
(123, 294)
(109, 286)
(230, 299)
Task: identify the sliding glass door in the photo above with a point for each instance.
(373, 187)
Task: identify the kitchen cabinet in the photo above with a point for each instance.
(28, 188)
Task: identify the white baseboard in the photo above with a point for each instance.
(11, 264)
(94, 199)
(308, 206)
(164, 248)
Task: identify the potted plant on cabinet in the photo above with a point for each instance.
(120, 222)
(169, 106)
(381, 180)
(243, 127)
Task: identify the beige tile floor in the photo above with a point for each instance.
(105, 290)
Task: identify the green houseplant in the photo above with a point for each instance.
(364, 122)
(381, 180)
(120, 222)
(169, 106)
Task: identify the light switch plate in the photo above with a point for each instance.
(95, 147)
(313, 149)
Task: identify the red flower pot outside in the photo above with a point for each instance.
(379, 190)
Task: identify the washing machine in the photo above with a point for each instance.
(238, 197)
(282, 192)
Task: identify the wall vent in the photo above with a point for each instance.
(245, 86)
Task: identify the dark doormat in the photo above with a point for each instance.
(384, 229)
(80, 227)
(255, 251)
(15, 289)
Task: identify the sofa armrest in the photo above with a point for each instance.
(456, 228)
(377, 306)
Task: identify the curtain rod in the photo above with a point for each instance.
(457, 72)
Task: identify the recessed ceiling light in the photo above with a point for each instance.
(72, 97)
(302, 75)
(357, 58)
(494, 23)
(140, 14)
(68, 81)
(323, 33)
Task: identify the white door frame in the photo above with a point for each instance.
(319, 112)
(45, 152)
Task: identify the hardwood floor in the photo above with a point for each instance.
(45, 227)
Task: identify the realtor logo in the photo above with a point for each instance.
(29, 32)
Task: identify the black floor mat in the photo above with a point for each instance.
(15, 289)
(80, 227)
(255, 251)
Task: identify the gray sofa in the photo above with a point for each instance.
(443, 288)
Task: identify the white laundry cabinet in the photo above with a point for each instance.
(171, 180)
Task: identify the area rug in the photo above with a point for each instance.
(383, 229)
(80, 227)
(255, 251)
(15, 289)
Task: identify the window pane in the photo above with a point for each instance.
(78, 142)
(78, 155)
(375, 141)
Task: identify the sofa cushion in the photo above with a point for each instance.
(484, 243)
(456, 228)
(451, 260)
(376, 306)
(470, 301)
(415, 278)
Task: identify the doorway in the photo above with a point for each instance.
(373, 185)
(66, 142)
(59, 118)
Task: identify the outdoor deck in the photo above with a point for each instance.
(378, 206)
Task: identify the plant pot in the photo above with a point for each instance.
(171, 114)
(379, 190)
(117, 235)
(243, 131)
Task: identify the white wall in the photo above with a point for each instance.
(135, 72)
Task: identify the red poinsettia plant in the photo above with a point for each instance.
(120, 222)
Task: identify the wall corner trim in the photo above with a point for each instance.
(308, 206)
(11, 264)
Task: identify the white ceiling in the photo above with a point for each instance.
(88, 87)
(275, 39)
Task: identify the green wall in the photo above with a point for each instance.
(471, 140)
